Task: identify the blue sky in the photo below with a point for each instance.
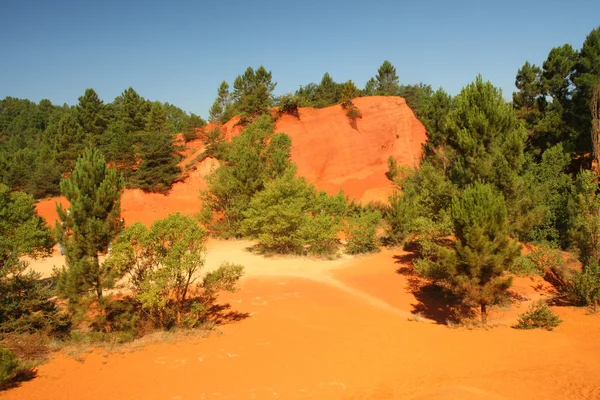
(180, 51)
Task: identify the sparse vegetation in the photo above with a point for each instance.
(539, 316)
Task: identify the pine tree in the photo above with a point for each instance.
(586, 76)
(88, 226)
(121, 149)
(370, 88)
(349, 92)
(221, 108)
(485, 143)
(328, 92)
(91, 117)
(253, 92)
(193, 124)
(388, 83)
(131, 110)
(68, 141)
(24, 302)
(474, 268)
(158, 169)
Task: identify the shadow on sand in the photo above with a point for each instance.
(432, 301)
(222, 314)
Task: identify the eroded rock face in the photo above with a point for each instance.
(332, 153)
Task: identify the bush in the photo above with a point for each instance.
(289, 216)
(392, 171)
(362, 231)
(538, 315)
(253, 158)
(289, 104)
(524, 266)
(583, 288)
(353, 112)
(9, 367)
(164, 265)
(213, 142)
(547, 259)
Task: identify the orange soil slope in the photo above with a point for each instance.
(333, 154)
(330, 153)
(137, 206)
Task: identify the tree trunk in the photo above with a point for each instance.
(98, 282)
(484, 314)
(595, 129)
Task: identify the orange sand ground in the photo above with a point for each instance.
(341, 329)
(338, 329)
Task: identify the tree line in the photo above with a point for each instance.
(39, 143)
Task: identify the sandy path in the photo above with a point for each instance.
(255, 265)
(304, 340)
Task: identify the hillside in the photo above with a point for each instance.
(328, 151)
(333, 155)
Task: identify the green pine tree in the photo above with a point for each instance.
(88, 226)
(388, 83)
(221, 108)
(253, 93)
(91, 117)
(474, 268)
(158, 169)
(24, 301)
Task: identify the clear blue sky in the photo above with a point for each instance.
(179, 52)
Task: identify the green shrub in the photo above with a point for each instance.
(288, 104)
(362, 232)
(9, 367)
(583, 288)
(524, 266)
(547, 259)
(289, 216)
(538, 315)
(164, 264)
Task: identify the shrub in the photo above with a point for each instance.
(353, 112)
(288, 104)
(9, 367)
(392, 171)
(213, 142)
(253, 158)
(547, 259)
(524, 266)
(583, 288)
(164, 265)
(289, 216)
(538, 315)
(362, 231)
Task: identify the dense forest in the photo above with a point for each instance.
(39, 143)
